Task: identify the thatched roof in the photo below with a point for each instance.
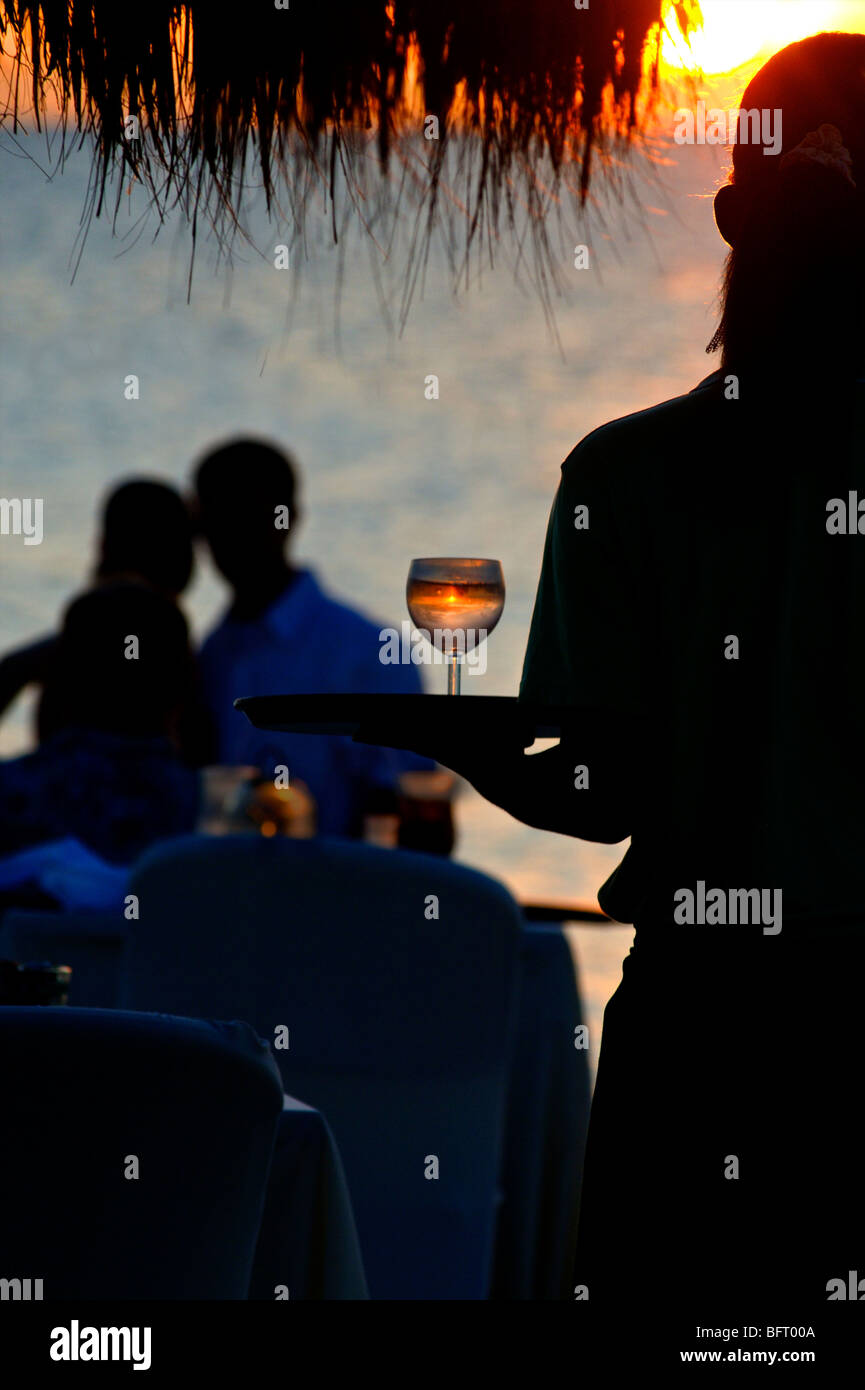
(325, 102)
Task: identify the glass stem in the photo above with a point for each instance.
(454, 670)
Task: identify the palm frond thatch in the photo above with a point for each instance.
(319, 98)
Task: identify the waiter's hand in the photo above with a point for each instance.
(469, 756)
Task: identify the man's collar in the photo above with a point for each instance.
(287, 612)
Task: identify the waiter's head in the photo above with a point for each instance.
(246, 492)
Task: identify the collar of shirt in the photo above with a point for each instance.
(713, 379)
(287, 614)
(284, 618)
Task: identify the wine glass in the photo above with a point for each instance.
(455, 603)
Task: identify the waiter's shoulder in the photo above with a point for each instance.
(627, 446)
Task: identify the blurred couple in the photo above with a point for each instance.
(127, 715)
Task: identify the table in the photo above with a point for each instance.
(307, 1245)
(546, 1123)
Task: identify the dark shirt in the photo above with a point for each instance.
(33, 665)
(116, 794)
(707, 603)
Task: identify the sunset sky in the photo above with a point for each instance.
(514, 402)
(738, 31)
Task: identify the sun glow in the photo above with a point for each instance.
(735, 32)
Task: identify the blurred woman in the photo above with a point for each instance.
(112, 777)
(146, 537)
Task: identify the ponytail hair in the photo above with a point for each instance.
(794, 284)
